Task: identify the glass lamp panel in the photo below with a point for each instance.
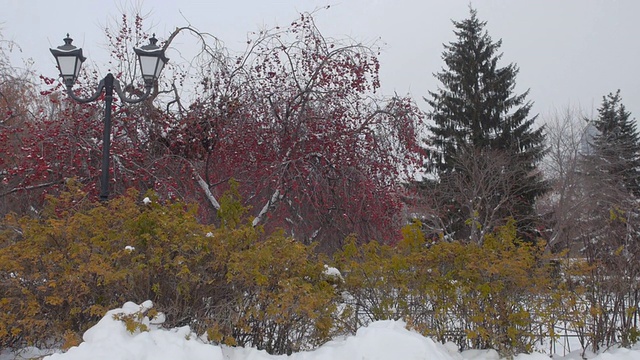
(148, 66)
(159, 66)
(67, 65)
(78, 66)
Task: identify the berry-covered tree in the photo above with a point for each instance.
(475, 112)
(295, 119)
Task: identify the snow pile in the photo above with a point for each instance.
(332, 272)
(110, 340)
(382, 340)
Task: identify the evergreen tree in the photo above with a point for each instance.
(475, 111)
(616, 145)
(609, 226)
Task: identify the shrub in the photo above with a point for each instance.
(60, 272)
(79, 259)
(64, 270)
(489, 295)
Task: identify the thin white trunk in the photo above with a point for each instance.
(207, 192)
(265, 208)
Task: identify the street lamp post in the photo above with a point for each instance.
(152, 60)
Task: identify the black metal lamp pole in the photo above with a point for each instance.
(70, 59)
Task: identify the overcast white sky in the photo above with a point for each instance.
(570, 52)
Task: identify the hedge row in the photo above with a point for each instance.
(60, 272)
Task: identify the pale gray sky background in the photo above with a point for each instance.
(570, 52)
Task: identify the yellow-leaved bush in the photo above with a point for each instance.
(499, 294)
(60, 273)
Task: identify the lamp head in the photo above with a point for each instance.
(69, 60)
(152, 60)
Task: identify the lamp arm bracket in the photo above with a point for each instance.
(89, 99)
(124, 98)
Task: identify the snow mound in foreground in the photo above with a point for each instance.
(110, 340)
(382, 340)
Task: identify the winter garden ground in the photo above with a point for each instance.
(109, 339)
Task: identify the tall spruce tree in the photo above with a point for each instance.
(616, 145)
(476, 113)
(608, 225)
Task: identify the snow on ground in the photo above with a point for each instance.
(109, 340)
